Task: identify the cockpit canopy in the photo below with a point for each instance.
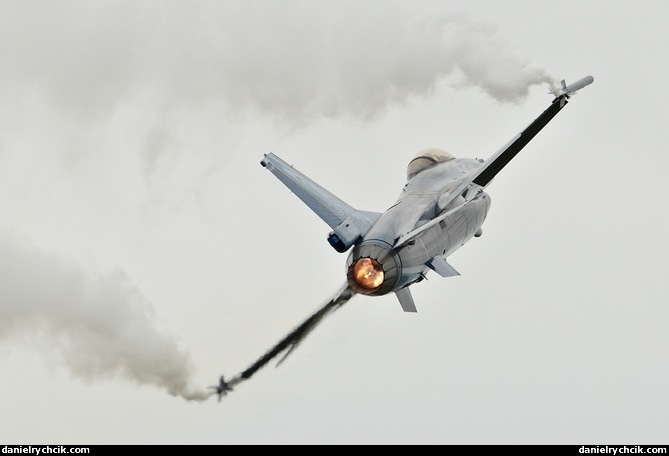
(427, 159)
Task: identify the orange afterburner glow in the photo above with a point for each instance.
(368, 273)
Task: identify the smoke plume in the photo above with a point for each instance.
(187, 69)
(100, 325)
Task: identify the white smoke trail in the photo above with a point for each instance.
(100, 325)
(184, 65)
(477, 57)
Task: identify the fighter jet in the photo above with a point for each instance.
(441, 207)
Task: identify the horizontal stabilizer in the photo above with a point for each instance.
(348, 223)
(327, 206)
(439, 265)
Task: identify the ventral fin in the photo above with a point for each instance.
(406, 300)
(439, 265)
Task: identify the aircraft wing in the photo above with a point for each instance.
(481, 177)
(503, 156)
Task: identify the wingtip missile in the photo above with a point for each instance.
(575, 86)
(222, 388)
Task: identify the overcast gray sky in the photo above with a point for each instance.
(144, 250)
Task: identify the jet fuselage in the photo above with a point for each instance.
(381, 262)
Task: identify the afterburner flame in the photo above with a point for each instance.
(368, 273)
